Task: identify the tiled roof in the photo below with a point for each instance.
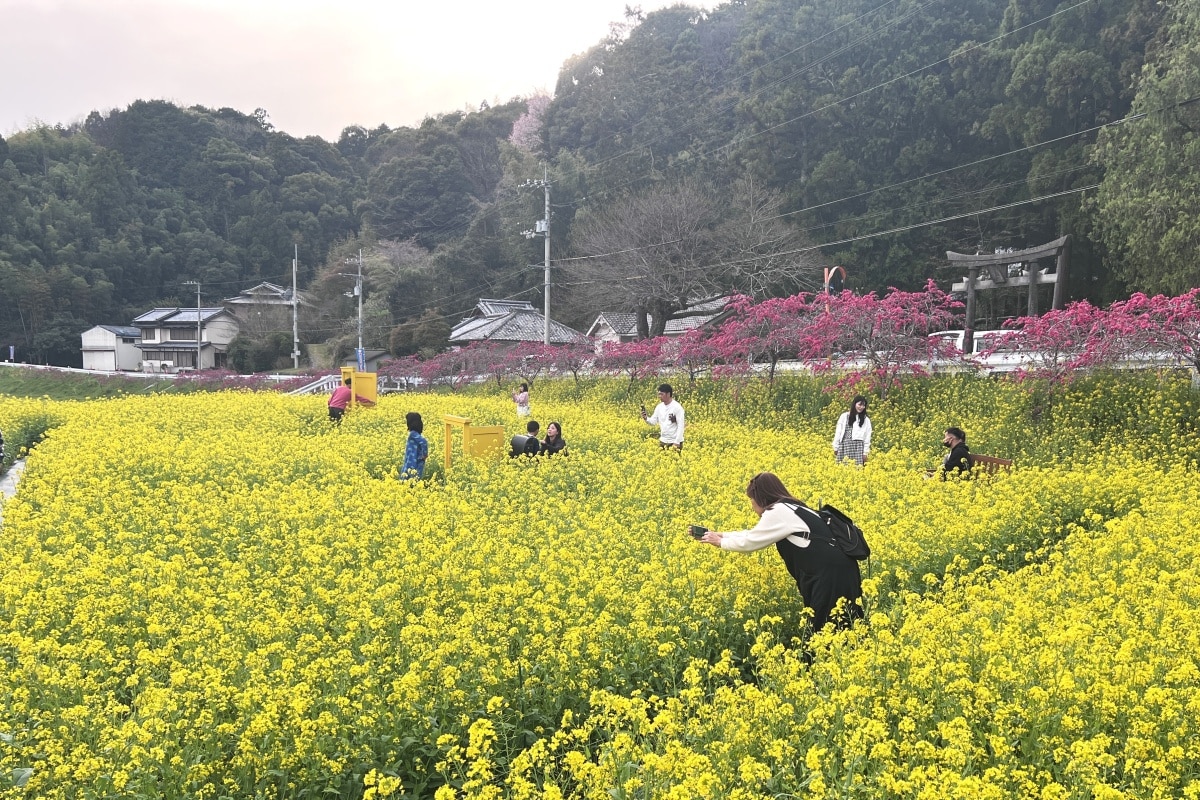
(622, 323)
(524, 325)
(175, 316)
(265, 293)
(123, 330)
(188, 316)
(625, 324)
(154, 315)
(495, 308)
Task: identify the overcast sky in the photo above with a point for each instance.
(316, 66)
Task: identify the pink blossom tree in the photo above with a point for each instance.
(637, 359)
(876, 340)
(573, 357)
(528, 360)
(1061, 343)
(1166, 325)
(453, 368)
(404, 372)
(696, 352)
(765, 332)
(527, 130)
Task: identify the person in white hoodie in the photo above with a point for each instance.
(852, 439)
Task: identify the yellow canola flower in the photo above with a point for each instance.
(197, 608)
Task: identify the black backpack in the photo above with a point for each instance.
(848, 537)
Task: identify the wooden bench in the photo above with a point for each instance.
(989, 465)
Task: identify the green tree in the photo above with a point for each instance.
(1148, 206)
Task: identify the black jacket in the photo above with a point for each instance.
(958, 458)
(551, 447)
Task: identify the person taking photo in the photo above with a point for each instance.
(668, 416)
(829, 581)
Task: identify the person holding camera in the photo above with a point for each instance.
(521, 398)
(824, 574)
(668, 416)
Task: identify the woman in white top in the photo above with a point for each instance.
(824, 574)
(852, 439)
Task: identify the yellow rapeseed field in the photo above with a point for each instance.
(221, 595)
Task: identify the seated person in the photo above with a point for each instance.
(528, 444)
(959, 457)
(553, 443)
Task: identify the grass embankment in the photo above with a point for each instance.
(17, 381)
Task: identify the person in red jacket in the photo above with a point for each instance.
(340, 399)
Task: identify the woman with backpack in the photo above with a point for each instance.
(823, 573)
(852, 439)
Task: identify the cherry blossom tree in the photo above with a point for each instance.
(765, 332)
(527, 129)
(637, 359)
(573, 357)
(1166, 325)
(876, 340)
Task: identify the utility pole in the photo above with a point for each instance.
(360, 356)
(199, 361)
(358, 290)
(542, 228)
(295, 311)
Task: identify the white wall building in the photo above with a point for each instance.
(111, 348)
(168, 342)
(621, 326)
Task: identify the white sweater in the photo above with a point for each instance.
(780, 521)
(861, 432)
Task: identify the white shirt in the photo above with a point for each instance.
(668, 432)
(780, 521)
(861, 432)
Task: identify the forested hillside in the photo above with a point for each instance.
(689, 153)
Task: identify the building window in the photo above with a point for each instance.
(183, 335)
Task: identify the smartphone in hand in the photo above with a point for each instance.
(697, 531)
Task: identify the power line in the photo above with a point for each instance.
(748, 137)
(1114, 123)
(808, 67)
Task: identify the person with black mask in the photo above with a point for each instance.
(959, 457)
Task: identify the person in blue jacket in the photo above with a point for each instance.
(416, 449)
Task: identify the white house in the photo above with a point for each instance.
(509, 321)
(111, 348)
(620, 326)
(168, 338)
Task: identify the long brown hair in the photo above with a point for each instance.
(766, 490)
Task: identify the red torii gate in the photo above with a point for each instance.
(998, 277)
